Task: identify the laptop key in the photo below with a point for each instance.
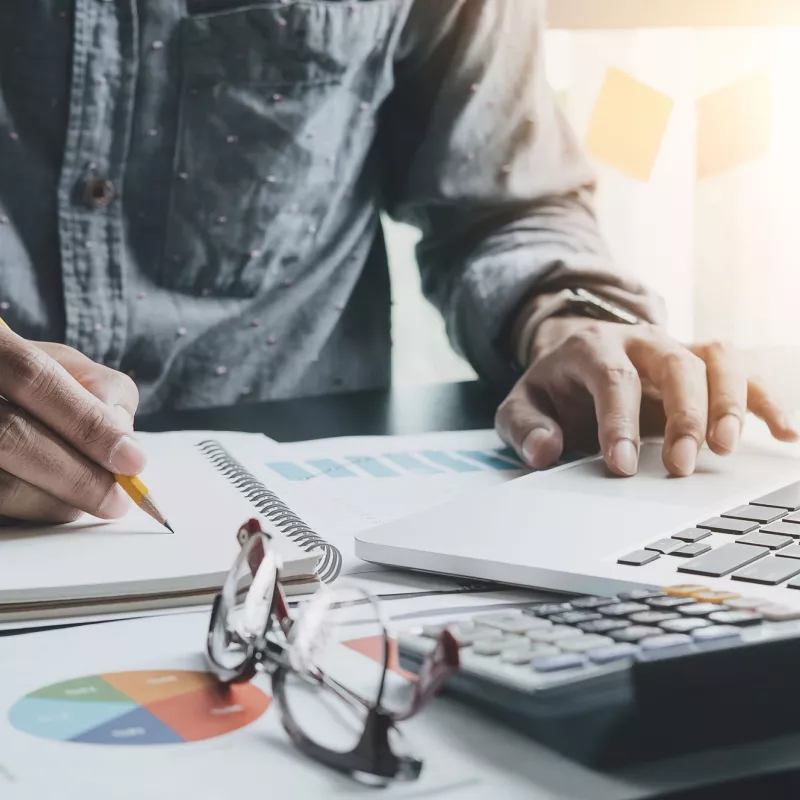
(723, 560)
(769, 540)
(691, 535)
(793, 551)
(735, 526)
(652, 617)
(691, 550)
(636, 633)
(741, 619)
(795, 518)
(623, 609)
(769, 571)
(783, 528)
(665, 546)
(603, 625)
(787, 498)
(759, 514)
(683, 625)
(638, 558)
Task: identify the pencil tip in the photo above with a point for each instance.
(168, 527)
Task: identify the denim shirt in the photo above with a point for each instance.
(191, 190)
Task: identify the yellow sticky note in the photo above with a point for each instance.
(628, 125)
(734, 124)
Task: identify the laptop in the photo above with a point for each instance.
(733, 526)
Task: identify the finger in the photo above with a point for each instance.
(114, 388)
(613, 381)
(31, 452)
(20, 500)
(762, 405)
(681, 380)
(727, 397)
(37, 383)
(523, 423)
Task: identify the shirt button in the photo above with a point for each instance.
(98, 192)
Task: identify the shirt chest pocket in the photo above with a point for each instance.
(271, 97)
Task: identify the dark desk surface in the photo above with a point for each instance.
(450, 406)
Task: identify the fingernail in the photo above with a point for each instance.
(625, 457)
(726, 433)
(122, 417)
(128, 458)
(684, 455)
(532, 448)
(115, 505)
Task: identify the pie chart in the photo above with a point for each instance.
(156, 707)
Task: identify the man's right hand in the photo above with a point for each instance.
(66, 425)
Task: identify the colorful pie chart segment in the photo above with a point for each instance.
(138, 708)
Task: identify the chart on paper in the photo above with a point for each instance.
(138, 708)
(422, 463)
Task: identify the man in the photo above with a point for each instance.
(190, 194)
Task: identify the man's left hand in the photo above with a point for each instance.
(596, 383)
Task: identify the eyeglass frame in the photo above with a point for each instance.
(373, 754)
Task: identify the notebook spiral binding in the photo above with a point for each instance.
(274, 509)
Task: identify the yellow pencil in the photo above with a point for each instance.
(133, 487)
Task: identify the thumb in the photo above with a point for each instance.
(523, 422)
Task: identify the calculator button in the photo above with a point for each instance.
(691, 535)
(614, 652)
(665, 546)
(466, 634)
(559, 662)
(637, 595)
(683, 625)
(603, 625)
(669, 641)
(741, 619)
(661, 603)
(584, 643)
(590, 603)
(769, 540)
(701, 609)
(692, 550)
(638, 558)
(716, 633)
(792, 551)
(741, 603)
(652, 617)
(491, 646)
(720, 525)
(775, 612)
(540, 650)
(758, 514)
(623, 609)
(684, 589)
(635, 633)
(432, 631)
(546, 609)
(711, 596)
(787, 498)
(724, 560)
(769, 571)
(510, 623)
(495, 618)
(518, 656)
(783, 528)
(574, 617)
(554, 634)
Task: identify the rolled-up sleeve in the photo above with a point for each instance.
(478, 156)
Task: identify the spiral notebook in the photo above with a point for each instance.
(200, 482)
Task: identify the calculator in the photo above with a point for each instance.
(642, 675)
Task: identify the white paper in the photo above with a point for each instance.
(339, 507)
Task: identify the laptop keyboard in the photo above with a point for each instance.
(764, 546)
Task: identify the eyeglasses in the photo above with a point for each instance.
(336, 706)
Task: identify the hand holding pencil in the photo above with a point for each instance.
(66, 443)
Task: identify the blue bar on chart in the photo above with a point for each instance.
(331, 468)
(489, 459)
(290, 471)
(511, 454)
(448, 461)
(411, 464)
(372, 466)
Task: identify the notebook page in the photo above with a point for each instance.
(93, 558)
